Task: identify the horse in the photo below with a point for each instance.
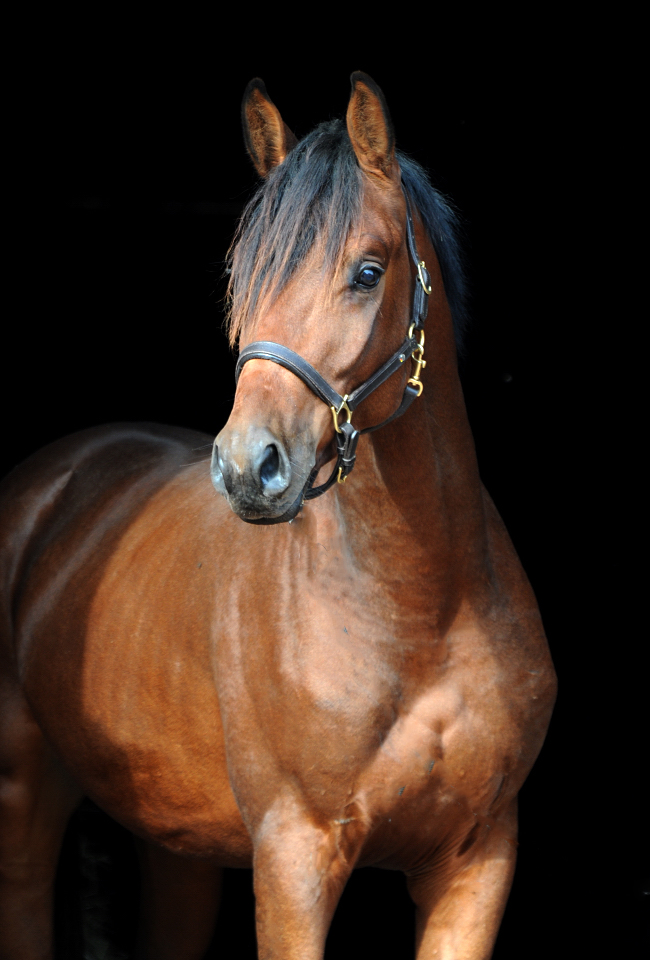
(321, 652)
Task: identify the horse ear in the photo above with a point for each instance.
(268, 139)
(371, 129)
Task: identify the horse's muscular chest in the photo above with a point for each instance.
(361, 724)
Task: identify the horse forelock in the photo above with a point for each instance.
(313, 200)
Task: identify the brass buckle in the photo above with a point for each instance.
(335, 414)
(426, 289)
(420, 364)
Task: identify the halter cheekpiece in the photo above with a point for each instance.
(346, 435)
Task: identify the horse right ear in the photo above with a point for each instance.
(268, 139)
(370, 129)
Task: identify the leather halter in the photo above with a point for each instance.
(347, 436)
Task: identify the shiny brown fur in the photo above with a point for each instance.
(369, 684)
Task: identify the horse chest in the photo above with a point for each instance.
(360, 728)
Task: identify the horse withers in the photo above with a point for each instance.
(332, 660)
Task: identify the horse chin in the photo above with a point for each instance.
(290, 514)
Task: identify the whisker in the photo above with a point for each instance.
(193, 463)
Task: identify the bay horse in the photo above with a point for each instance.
(320, 654)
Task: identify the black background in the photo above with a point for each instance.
(131, 172)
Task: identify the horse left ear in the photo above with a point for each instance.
(370, 129)
(268, 138)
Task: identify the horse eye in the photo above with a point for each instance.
(368, 277)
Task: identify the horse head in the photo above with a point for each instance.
(321, 266)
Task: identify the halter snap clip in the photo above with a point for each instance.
(420, 364)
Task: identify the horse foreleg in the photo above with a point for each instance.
(179, 904)
(300, 870)
(36, 800)
(460, 905)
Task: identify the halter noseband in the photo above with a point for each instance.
(346, 435)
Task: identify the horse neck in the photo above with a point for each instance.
(414, 513)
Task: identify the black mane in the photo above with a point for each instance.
(315, 197)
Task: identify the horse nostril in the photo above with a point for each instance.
(273, 471)
(247, 468)
(270, 466)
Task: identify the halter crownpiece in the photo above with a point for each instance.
(347, 436)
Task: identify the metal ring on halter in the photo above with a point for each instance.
(335, 413)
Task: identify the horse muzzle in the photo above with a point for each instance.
(256, 474)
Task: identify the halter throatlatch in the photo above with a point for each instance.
(347, 436)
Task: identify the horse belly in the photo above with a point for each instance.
(148, 751)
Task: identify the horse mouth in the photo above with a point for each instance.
(285, 517)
